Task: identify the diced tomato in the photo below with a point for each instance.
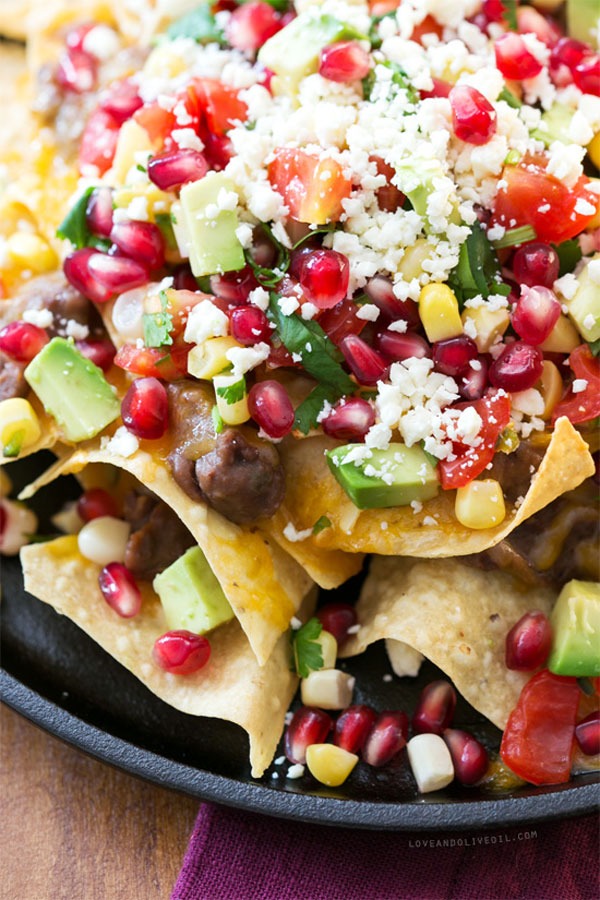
(158, 122)
(312, 188)
(99, 141)
(534, 197)
(167, 363)
(470, 462)
(179, 304)
(538, 740)
(220, 104)
(428, 26)
(583, 405)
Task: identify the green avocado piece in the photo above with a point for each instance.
(416, 178)
(575, 622)
(584, 307)
(554, 125)
(392, 477)
(190, 594)
(582, 19)
(72, 390)
(210, 227)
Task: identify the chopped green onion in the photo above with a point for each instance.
(521, 235)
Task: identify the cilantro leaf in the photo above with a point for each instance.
(233, 393)
(308, 654)
(510, 14)
(399, 80)
(74, 226)
(510, 98)
(265, 276)
(217, 420)
(157, 326)
(311, 406)
(569, 254)
(200, 25)
(594, 347)
(321, 524)
(478, 268)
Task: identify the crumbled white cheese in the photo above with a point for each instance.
(295, 771)
(205, 320)
(579, 385)
(43, 318)
(293, 535)
(122, 443)
(243, 359)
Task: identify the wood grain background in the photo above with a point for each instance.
(75, 829)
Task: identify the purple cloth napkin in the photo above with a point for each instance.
(236, 855)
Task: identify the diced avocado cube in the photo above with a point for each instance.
(293, 53)
(392, 477)
(584, 307)
(575, 622)
(582, 19)
(554, 125)
(417, 178)
(210, 225)
(72, 390)
(190, 594)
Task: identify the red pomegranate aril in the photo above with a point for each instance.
(251, 25)
(324, 277)
(76, 268)
(262, 250)
(528, 642)
(586, 75)
(145, 408)
(76, 36)
(344, 61)
(473, 116)
(453, 355)
(474, 382)
(120, 590)
(341, 320)
(397, 345)
(117, 273)
(530, 21)
(353, 726)
(349, 420)
(380, 291)
(494, 10)
(96, 502)
(141, 241)
(308, 726)
(440, 89)
(234, 286)
(184, 280)
(101, 352)
(535, 263)
(181, 652)
(568, 52)
(337, 618)
(386, 738)
(517, 368)
(587, 734)
(76, 71)
(121, 100)
(535, 314)
(435, 708)
(469, 756)
(249, 325)
(99, 212)
(514, 59)
(170, 170)
(271, 408)
(22, 341)
(366, 364)
(297, 256)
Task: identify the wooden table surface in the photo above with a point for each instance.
(76, 829)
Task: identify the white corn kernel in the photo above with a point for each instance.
(329, 764)
(232, 398)
(329, 649)
(404, 659)
(430, 762)
(20, 523)
(480, 504)
(127, 314)
(68, 519)
(327, 689)
(550, 387)
(489, 325)
(103, 540)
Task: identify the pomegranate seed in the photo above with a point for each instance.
(121, 100)
(530, 21)
(337, 618)
(96, 502)
(77, 272)
(234, 286)
(435, 708)
(474, 382)
(141, 241)
(386, 738)
(271, 408)
(249, 325)
(586, 75)
(440, 89)
(120, 590)
(380, 291)
(263, 250)
(568, 52)
(308, 726)
(324, 276)
(101, 353)
(469, 757)
(296, 257)
(514, 59)
(99, 212)
(493, 10)
(528, 642)
(396, 346)
(181, 652)
(22, 340)
(76, 36)
(145, 408)
(389, 197)
(535, 314)
(117, 273)
(341, 320)
(183, 279)
(452, 356)
(366, 364)
(349, 420)
(587, 734)
(169, 171)
(251, 25)
(344, 61)
(517, 368)
(352, 728)
(536, 263)
(76, 71)
(473, 116)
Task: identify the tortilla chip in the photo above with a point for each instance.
(232, 687)
(455, 615)
(401, 531)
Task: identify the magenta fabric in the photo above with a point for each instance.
(235, 855)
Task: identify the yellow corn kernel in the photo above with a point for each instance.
(156, 199)
(232, 398)
(411, 264)
(329, 649)
(329, 764)
(164, 62)
(480, 504)
(209, 358)
(563, 338)
(550, 387)
(490, 324)
(30, 251)
(439, 312)
(593, 149)
(19, 426)
(132, 139)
